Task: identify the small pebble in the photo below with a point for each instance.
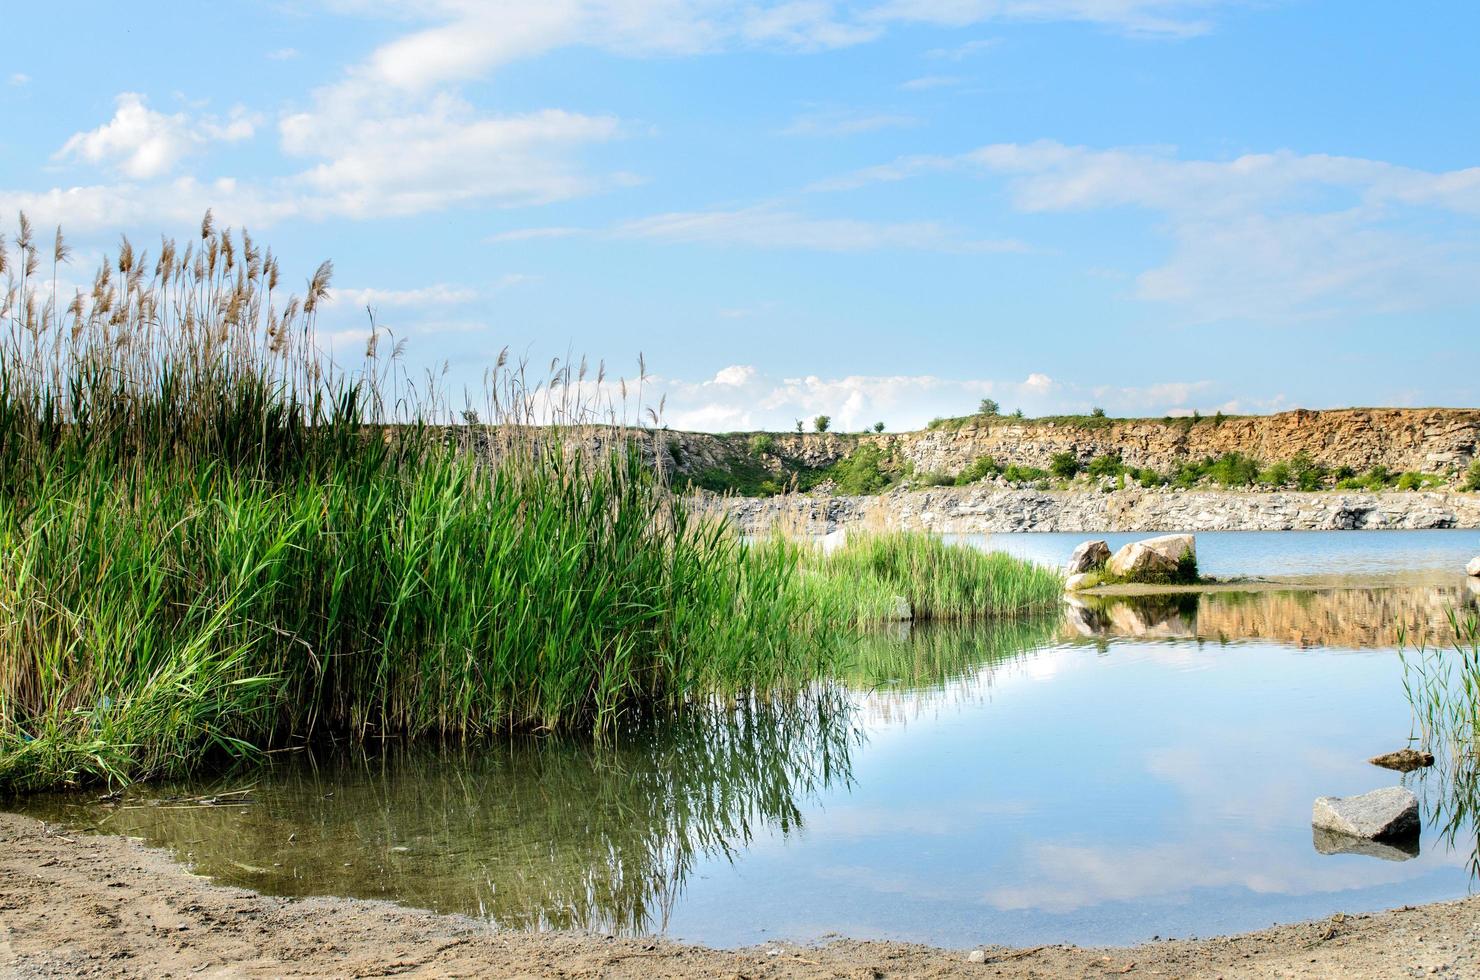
(976, 956)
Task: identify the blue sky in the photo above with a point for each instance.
(875, 209)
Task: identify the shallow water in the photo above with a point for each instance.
(1108, 773)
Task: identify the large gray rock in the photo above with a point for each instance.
(1473, 568)
(1074, 583)
(1136, 560)
(1383, 814)
(1152, 557)
(1173, 546)
(1088, 557)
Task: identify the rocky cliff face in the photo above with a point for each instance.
(1424, 440)
(1427, 440)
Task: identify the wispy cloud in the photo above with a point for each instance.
(18, 79)
(440, 294)
(1266, 236)
(961, 52)
(844, 122)
(774, 227)
(282, 54)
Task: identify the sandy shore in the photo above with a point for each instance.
(98, 906)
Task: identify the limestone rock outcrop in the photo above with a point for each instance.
(1383, 814)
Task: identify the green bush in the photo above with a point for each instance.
(862, 472)
(1278, 475)
(1024, 474)
(980, 468)
(1472, 476)
(1064, 465)
(1234, 470)
(1106, 465)
(1309, 475)
(762, 444)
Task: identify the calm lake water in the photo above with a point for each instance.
(1104, 774)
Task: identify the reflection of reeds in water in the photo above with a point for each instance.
(531, 834)
(1443, 688)
(914, 668)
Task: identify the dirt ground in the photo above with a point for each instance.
(94, 906)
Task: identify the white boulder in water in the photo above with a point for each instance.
(1088, 557)
(1473, 568)
(1152, 557)
(1383, 814)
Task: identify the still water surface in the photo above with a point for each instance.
(1107, 773)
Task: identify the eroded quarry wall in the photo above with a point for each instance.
(1424, 440)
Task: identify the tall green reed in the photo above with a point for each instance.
(214, 541)
(1443, 689)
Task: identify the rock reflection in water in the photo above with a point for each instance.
(1350, 618)
(531, 834)
(1327, 842)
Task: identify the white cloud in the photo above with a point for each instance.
(963, 51)
(1146, 18)
(742, 397)
(142, 143)
(1266, 236)
(398, 164)
(471, 37)
(533, 234)
(282, 54)
(771, 227)
(393, 136)
(804, 25)
(426, 156)
(440, 294)
(19, 79)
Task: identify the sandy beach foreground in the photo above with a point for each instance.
(99, 906)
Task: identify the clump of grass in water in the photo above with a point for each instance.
(214, 542)
(939, 580)
(1443, 688)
